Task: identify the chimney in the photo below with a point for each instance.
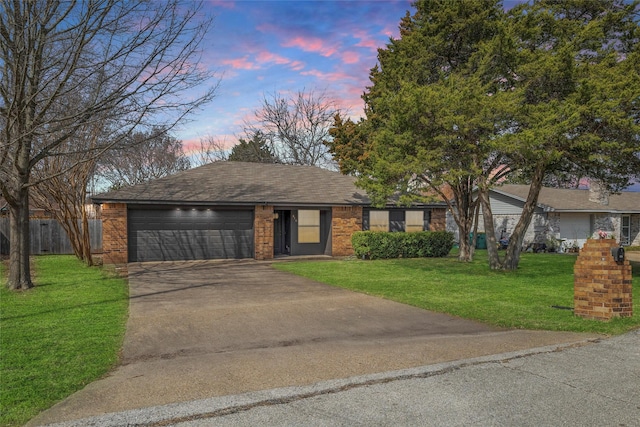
(598, 193)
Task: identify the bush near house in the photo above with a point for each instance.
(382, 245)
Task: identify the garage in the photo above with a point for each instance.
(575, 228)
(239, 210)
(187, 233)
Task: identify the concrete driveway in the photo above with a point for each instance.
(203, 329)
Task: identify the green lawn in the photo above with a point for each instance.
(59, 336)
(521, 299)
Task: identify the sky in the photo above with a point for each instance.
(258, 48)
(261, 47)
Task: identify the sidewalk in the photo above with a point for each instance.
(589, 384)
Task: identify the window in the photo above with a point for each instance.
(625, 231)
(308, 226)
(379, 220)
(414, 221)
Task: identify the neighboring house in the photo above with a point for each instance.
(567, 215)
(247, 210)
(34, 212)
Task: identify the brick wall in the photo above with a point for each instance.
(114, 233)
(345, 220)
(263, 232)
(438, 219)
(602, 287)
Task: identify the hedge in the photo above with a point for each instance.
(380, 244)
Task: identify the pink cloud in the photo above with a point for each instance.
(269, 57)
(366, 40)
(311, 44)
(297, 65)
(272, 57)
(331, 77)
(350, 57)
(193, 145)
(391, 31)
(241, 64)
(225, 4)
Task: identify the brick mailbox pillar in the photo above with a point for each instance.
(602, 286)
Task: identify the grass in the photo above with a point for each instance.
(520, 299)
(57, 337)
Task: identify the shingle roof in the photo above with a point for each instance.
(559, 199)
(239, 183)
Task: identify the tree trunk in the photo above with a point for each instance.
(465, 254)
(86, 239)
(489, 228)
(19, 267)
(475, 231)
(512, 258)
(464, 214)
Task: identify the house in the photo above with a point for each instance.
(34, 211)
(247, 210)
(568, 216)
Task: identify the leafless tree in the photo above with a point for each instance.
(127, 63)
(296, 127)
(142, 157)
(62, 189)
(211, 149)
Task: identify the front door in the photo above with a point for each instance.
(282, 233)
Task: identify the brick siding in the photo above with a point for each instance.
(602, 286)
(345, 220)
(438, 219)
(263, 232)
(114, 233)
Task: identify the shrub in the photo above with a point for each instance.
(379, 244)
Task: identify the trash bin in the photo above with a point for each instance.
(481, 242)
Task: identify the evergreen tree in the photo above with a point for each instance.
(254, 150)
(469, 94)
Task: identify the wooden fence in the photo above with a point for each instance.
(48, 237)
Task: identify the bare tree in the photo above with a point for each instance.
(296, 127)
(211, 150)
(62, 189)
(129, 62)
(142, 157)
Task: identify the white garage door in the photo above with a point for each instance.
(575, 227)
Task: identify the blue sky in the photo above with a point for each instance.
(260, 47)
